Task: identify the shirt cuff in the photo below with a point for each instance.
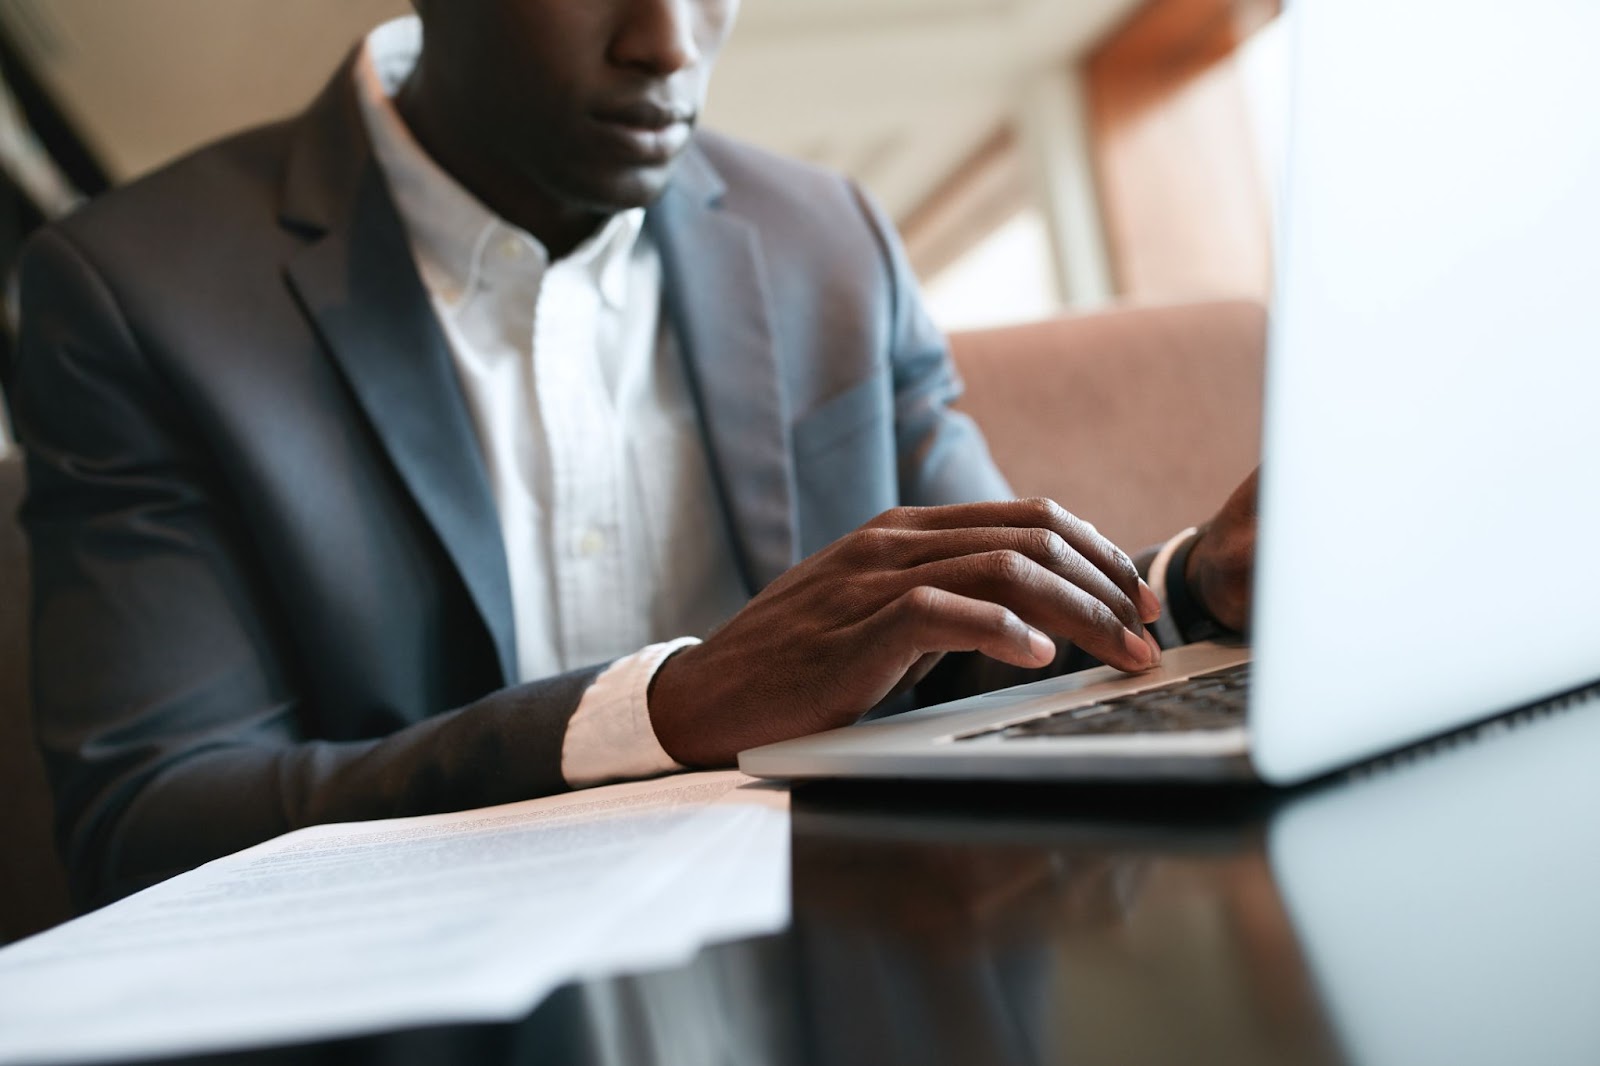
(610, 737)
(1166, 627)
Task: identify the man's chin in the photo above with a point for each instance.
(616, 191)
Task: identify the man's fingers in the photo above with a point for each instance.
(906, 549)
(1037, 513)
(926, 620)
(1043, 600)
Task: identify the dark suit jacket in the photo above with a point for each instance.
(270, 587)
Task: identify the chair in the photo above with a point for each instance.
(1152, 415)
(33, 893)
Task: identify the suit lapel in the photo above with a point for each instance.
(356, 280)
(716, 296)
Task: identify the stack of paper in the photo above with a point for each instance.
(344, 929)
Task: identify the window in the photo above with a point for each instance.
(1007, 277)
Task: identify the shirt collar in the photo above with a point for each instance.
(452, 232)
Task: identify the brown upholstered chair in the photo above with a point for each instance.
(1141, 421)
(32, 887)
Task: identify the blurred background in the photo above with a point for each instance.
(1038, 155)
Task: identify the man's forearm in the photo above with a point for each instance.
(207, 801)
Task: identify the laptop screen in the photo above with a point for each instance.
(1429, 498)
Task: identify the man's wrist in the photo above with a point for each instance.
(681, 733)
(611, 736)
(1189, 613)
(1184, 617)
(1166, 632)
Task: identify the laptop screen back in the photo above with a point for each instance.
(1431, 494)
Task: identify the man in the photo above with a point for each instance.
(390, 459)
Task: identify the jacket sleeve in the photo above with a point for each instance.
(942, 456)
(165, 698)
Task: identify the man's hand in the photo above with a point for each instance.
(1221, 566)
(873, 612)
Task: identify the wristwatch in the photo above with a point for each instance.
(1192, 621)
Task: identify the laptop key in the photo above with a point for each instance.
(1198, 704)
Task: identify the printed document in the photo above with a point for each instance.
(343, 929)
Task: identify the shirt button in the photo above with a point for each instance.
(592, 543)
(512, 248)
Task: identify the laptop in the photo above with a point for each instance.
(1430, 496)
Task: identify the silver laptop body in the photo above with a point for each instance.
(1430, 510)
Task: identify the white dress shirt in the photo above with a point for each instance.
(615, 545)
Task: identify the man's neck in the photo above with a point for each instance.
(560, 228)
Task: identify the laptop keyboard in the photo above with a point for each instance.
(1201, 703)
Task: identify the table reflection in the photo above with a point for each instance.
(1447, 900)
(1063, 927)
(1438, 908)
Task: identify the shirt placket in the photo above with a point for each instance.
(585, 466)
(503, 290)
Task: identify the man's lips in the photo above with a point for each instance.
(646, 115)
(645, 132)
